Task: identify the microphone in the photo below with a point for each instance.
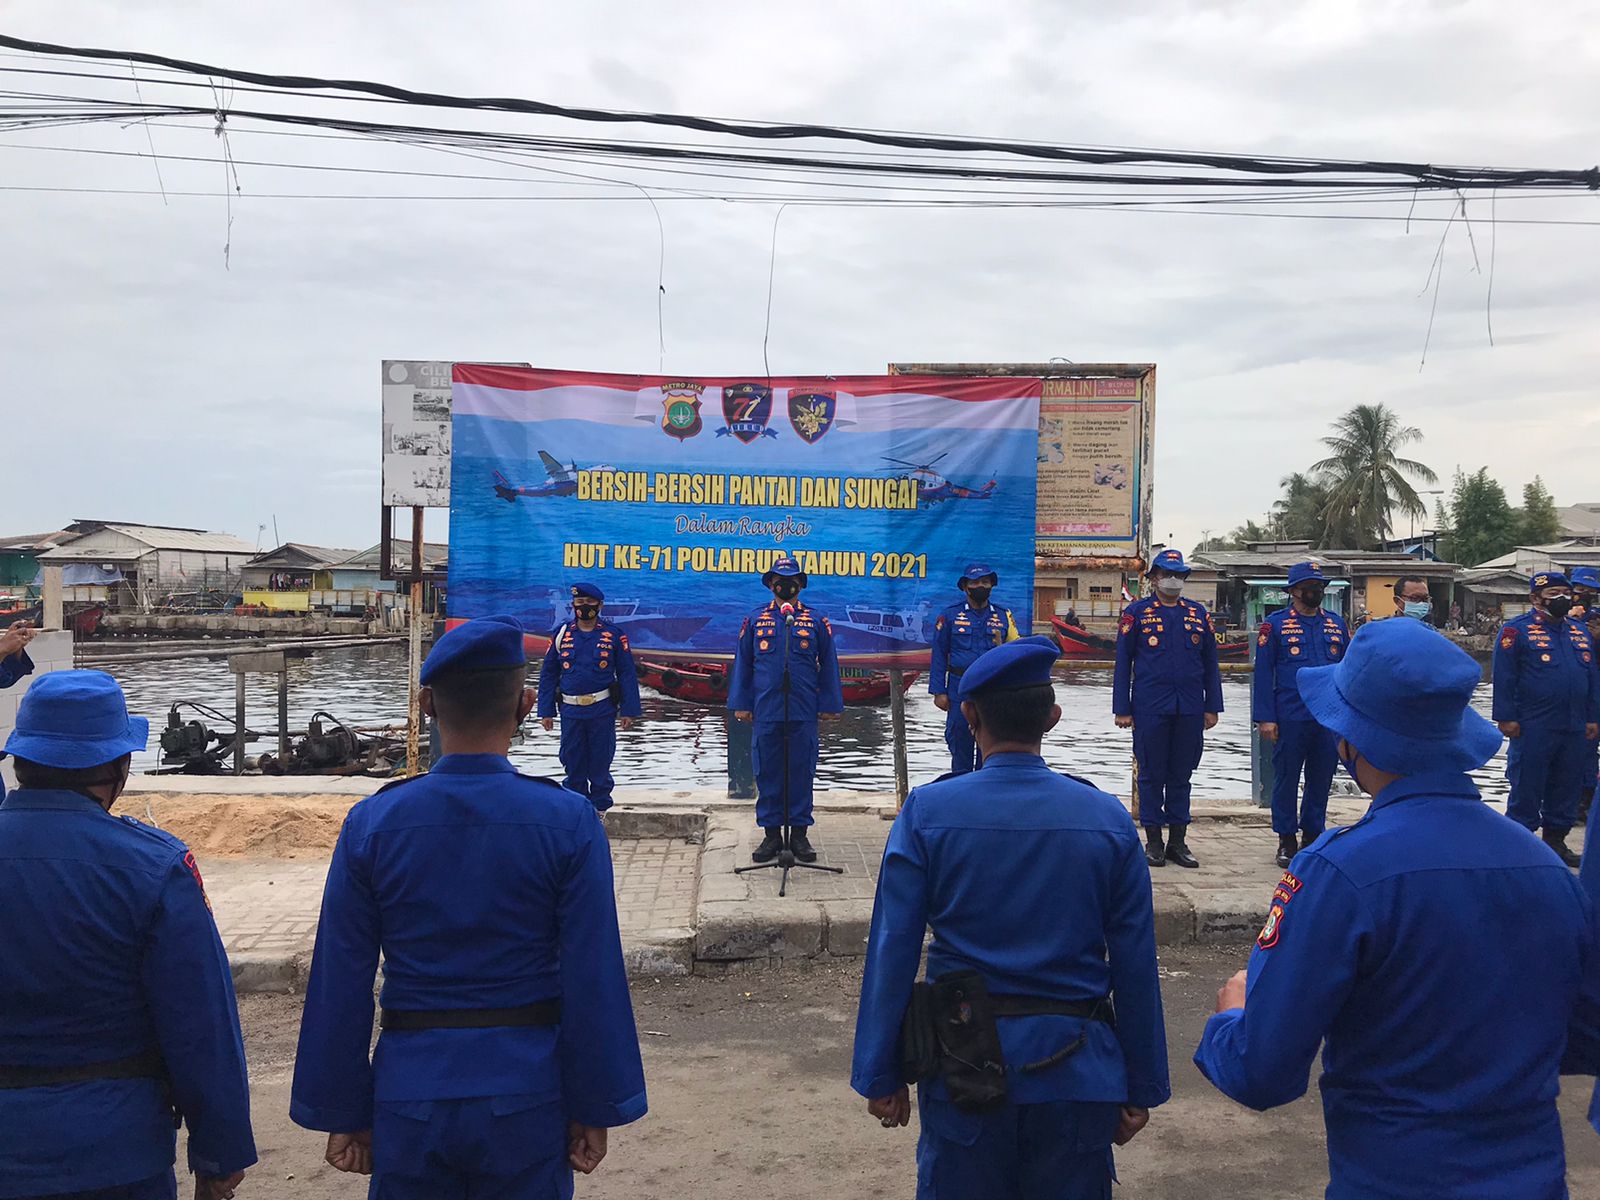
(787, 610)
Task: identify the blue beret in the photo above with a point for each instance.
(976, 571)
(1546, 579)
(1588, 577)
(1301, 572)
(585, 588)
(481, 644)
(1025, 662)
(1170, 560)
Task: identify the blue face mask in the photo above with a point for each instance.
(1420, 609)
(1349, 764)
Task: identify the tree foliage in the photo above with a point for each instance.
(1483, 523)
(1538, 521)
(1366, 477)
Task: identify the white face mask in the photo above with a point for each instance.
(1170, 585)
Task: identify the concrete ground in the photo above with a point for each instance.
(749, 1096)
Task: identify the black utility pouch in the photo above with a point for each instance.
(972, 1063)
(919, 1040)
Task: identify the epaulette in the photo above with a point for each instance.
(394, 783)
(1079, 779)
(942, 778)
(542, 779)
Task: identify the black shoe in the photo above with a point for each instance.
(1154, 852)
(1558, 842)
(770, 845)
(1306, 839)
(801, 844)
(1178, 850)
(1286, 849)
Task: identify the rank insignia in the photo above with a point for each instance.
(680, 403)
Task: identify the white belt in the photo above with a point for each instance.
(585, 700)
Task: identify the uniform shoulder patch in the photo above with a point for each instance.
(1127, 625)
(194, 869)
(1508, 637)
(1288, 887)
(744, 627)
(624, 640)
(827, 624)
(939, 622)
(1265, 634)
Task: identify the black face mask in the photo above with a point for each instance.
(978, 596)
(786, 589)
(1311, 597)
(1559, 606)
(586, 613)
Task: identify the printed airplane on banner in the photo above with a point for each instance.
(883, 487)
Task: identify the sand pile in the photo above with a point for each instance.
(245, 826)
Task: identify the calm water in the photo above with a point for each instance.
(683, 745)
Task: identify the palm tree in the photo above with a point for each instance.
(1367, 477)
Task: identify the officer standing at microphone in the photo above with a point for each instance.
(1302, 635)
(1168, 690)
(589, 670)
(785, 636)
(961, 633)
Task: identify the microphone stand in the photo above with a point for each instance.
(786, 861)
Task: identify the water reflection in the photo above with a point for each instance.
(684, 745)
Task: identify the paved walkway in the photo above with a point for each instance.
(682, 906)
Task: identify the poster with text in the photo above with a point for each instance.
(1092, 490)
(674, 495)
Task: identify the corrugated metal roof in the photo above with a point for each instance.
(321, 556)
(434, 554)
(158, 538)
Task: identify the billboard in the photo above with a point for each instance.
(675, 494)
(416, 433)
(1092, 467)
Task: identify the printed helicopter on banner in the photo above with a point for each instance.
(933, 487)
(562, 481)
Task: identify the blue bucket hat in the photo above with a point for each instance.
(1169, 560)
(1023, 663)
(1546, 579)
(1588, 577)
(976, 571)
(1403, 698)
(482, 644)
(1301, 572)
(75, 720)
(786, 567)
(585, 588)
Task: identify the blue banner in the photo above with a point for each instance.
(675, 495)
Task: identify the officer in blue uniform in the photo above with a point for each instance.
(961, 633)
(785, 634)
(589, 670)
(14, 660)
(508, 1045)
(1167, 688)
(1035, 881)
(117, 1014)
(1436, 948)
(1547, 701)
(1302, 635)
(1586, 608)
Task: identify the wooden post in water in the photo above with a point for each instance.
(283, 713)
(897, 718)
(414, 660)
(238, 729)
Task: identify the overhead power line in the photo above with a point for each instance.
(1426, 175)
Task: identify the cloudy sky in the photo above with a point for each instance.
(147, 382)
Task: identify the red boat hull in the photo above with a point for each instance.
(1077, 642)
(707, 683)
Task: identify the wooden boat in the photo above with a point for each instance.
(707, 683)
(1077, 642)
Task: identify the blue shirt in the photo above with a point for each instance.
(109, 951)
(1037, 881)
(960, 634)
(1285, 643)
(1545, 674)
(1166, 660)
(756, 683)
(481, 888)
(11, 670)
(1439, 950)
(585, 662)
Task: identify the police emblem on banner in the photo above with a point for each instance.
(680, 404)
(812, 414)
(747, 407)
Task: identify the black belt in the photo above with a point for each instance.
(148, 1065)
(544, 1012)
(1043, 1006)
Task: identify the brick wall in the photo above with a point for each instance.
(50, 652)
